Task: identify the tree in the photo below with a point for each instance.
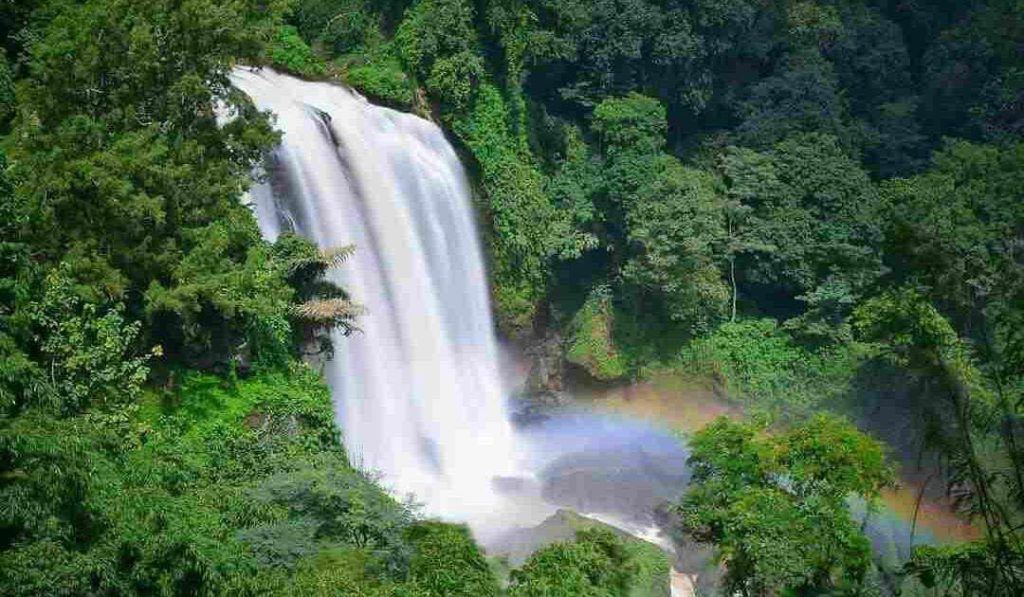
(974, 424)
(227, 295)
(336, 26)
(971, 75)
(803, 97)
(815, 219)
(665, 219)
(87, 349)
(874, 70)
(674, 229)
(775, 505)
(319, 305)
(596, 564)
(117, 150)
(955, 229)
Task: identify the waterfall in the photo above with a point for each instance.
(418, 391)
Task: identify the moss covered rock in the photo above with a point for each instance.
(591, 345)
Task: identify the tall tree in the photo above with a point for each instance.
(775, 505)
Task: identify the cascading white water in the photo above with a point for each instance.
(418, 392)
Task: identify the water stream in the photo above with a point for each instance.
(418, 392)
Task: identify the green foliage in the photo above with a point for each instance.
(663, 218)
(336, 26)
(339, 572)
(435, 30)
(802, 97)
(961, 570)
(573, 189)
(815, 219)
(597, 564)
(914, 332)
(654, 570)
(446, 561)
(635, 122)
(968, 414)
(757, 363)
(382, 81)
(290, 53)
(87, 350)
(319, 306)
(148, 499)
(332, 506)
(674, 226)
(524, 227)
(121, 229)
(591, 344)
(972, 74)
(775, 505)
(7, 99)
(951, 229)
(117, 153)
(453, 79)
(226, 287)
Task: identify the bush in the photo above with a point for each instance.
(453, 79)
(591, 345)
(335, 26)
(291, 53)
(447, 563)
(596, 564)
(382, 81)
(756, 363)
(88, 350)
(525, 229)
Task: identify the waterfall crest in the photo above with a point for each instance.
(418, 393)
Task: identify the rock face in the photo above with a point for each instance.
(547, 367)
(544, 388)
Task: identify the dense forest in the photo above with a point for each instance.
(817, 206)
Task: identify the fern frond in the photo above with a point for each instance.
(324, 258)
(327, 312)
(336, 255)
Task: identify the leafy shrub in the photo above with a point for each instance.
(228, 285)
(382, 81)
(335, 572)
(447, 562)
(342, 508)
(525, 230)
(150, 497)
(653, 569)
(757, 363)
(454, 78)
(433, 30)
(89, 350)
(597, 564)
(291, 53)
(591, 345)
(335, 26)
